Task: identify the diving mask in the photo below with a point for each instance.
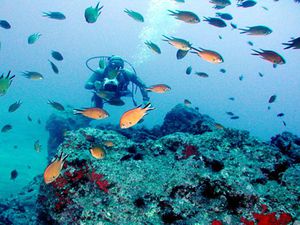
(116, 63)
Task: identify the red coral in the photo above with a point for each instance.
(264, 218)
(190, 150)
(102, 184)
(216, 222)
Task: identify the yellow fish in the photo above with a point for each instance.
(97, 152)
(53, 170)
(133, 116)
(93, 113)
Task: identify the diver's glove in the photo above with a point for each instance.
(98, 85)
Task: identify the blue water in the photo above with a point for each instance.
(117, 33)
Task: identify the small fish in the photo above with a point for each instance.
(54, 15)
(91, 14)
(209, 55)
(222, 70)
(217, 22)
(153, 47)
(233, 26)
(56, 105)
(5, 83)
(220, 4)
(133, 116)
(108, 143)
(230, 113)
(219, 126)
(4, 24)
(272, 98)
(231, 98)
(15, 146)
(6, 128)
(260, 74)
(224, 16)
(256, 30)
(97, 152)
(241, 77)
(13, 174)
(181, 54)
(202, 74)
(13, 107)
(265, 8)
(93, 113)
(294, 43)
(54, 67)
(33, 38)
(280, 114)
(159, 88)
(57, 55)
(135, 15)
(178, 43)
(39, 121)
(197, 109)
(53, 170)
(270, 56)
(185, 16)
(284, 123)
(234, 117)
(180, 1)
(250, 43)
(37, 146)
(269, 107)
(29, 118)
(220, 37)
(188, 70)
(247, 4)
(187, 102)
(32, 75)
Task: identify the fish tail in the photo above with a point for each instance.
(243, 30)
(148, 107)
(46, 14)
(172, 13)
(167, 38)
(288, 45)
(77, 111)
(256, 52)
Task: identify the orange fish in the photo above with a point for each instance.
(53, 170)
(108, 143)
(209, 56)
(159, 88)
(133, 116)
(97, 152)
(270, 56)
(93, 113)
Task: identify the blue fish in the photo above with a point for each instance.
(91, 14)
(4, 24)
(54, 15)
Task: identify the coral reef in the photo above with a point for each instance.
(205, 176)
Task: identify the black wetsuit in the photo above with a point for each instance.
(122, 90)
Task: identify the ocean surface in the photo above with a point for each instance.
(115, 33)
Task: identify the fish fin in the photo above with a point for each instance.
(172, 12)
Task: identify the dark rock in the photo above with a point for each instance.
(185, 119)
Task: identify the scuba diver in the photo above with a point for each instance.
(110, 81)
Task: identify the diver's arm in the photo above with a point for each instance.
(96, 76)
(136, 80)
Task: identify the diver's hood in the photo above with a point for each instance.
(110, 84)
(116, 62)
